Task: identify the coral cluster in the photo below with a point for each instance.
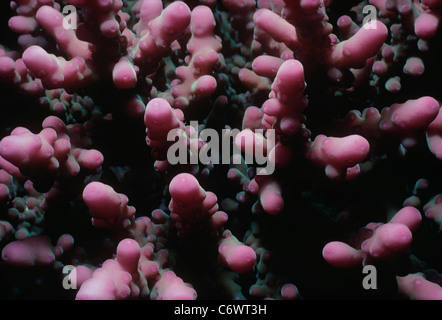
(103, 99)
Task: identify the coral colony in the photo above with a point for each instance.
(230, 149)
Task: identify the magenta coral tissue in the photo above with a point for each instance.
(221, 150)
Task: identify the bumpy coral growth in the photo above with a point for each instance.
(203, 149)
(377, 241)
(107, 207)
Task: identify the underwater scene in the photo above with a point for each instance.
(221, 150)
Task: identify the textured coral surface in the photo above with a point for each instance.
(343, 99)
